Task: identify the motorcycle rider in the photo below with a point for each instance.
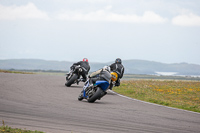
(86, 68)
(119, 69)
(101, 74)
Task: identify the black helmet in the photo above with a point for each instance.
(118, 60)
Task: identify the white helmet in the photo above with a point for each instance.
(106, 68)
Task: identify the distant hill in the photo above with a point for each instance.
(151, 67)
(131, 66)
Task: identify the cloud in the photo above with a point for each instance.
(106, 15)
(29, 11)
(186, 20)
(99, 1)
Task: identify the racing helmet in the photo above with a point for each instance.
(106, 68)
(85, 59)
(118, 60)
(114, 76)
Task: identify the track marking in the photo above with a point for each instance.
(151, 103)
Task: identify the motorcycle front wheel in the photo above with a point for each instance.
(80, 97)
(71, 80)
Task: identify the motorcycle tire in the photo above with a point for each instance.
(71, 80)
(97, 95)
(111, 86)
(80, 97)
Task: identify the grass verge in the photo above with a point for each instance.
(6, 129)
(178, 94)
(19, 72)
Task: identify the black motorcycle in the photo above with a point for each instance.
(74, 75)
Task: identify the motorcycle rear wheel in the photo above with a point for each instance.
(97, 95)
(71, 80)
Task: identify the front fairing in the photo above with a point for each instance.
(68, 75)
(77, 70)
(86, 85)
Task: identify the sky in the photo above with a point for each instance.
(166, 31)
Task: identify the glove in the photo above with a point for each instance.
(72, 67)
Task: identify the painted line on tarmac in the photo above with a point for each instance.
(152, 103)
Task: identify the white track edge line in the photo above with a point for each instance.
(152, 103)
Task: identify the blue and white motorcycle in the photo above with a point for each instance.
(94, 92)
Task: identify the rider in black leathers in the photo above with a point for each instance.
(86, 68)
(119, 68)
(101, 74)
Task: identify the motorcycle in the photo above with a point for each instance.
(93, 92)
(74, 75)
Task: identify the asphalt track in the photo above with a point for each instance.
(43, 103)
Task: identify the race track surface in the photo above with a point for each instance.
(43, 103)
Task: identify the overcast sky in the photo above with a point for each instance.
(166, 31)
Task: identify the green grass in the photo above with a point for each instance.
(42, 72)
(6, 129)
(157, 77)
(173, 93)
